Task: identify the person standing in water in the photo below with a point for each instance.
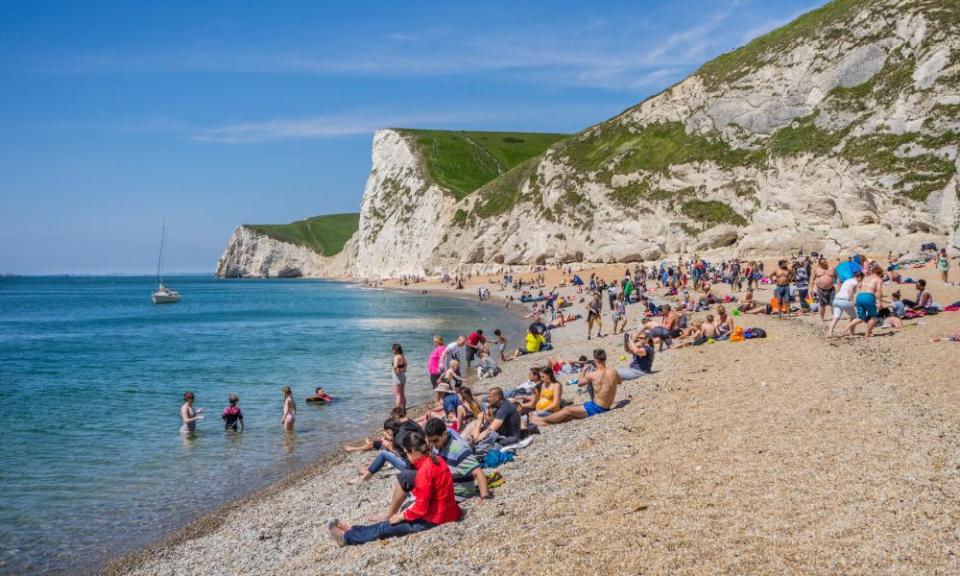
(188, 414)
(399, 375)
(289, 410)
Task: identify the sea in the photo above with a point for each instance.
(92, 374)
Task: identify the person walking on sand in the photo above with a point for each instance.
(501, 342)
(593, 315)
(188, 415)
(433, 363)
(824, 280)
(604, 381)
(781, 277)
(843, 301)
(289, 410)
(943, 265)
(399, 375)
(869, 300)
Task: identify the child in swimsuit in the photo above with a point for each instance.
(232, 416)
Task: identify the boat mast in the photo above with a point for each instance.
(163, 235)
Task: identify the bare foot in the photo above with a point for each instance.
(358, 479)
(536, 420)
(361, 470)
(375, 518)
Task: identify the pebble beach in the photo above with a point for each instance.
(793, 454)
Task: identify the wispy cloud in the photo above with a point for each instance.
(307, 128)
(590, 55)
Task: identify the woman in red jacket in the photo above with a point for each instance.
(435, 504)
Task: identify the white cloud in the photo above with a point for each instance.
(307, 128)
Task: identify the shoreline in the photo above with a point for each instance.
(712, 436)
(211, 521)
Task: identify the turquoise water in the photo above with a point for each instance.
(91, 379)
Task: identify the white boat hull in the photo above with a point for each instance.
(165, 299)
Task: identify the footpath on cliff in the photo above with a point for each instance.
(794, 454)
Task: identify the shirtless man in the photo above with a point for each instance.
(604, 381)
(825, 280)
(781, 277)
(671, 321)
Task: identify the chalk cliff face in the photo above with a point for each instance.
(838, 132)
(251, 254)
(842, 138)
(404, 217)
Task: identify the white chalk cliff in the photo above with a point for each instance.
(837, 133)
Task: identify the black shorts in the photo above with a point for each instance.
(471, 354)
(434, 379)
(825, 297)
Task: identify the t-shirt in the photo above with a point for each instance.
(846, 270)
(534, 342)
(507, 413)
(475, 339)
(459, 457)
(454, 352)
(433, 364)
(847, 288)
(643, 363)
(802, 278)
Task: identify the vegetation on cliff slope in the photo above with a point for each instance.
(323, 234)
(462, 162)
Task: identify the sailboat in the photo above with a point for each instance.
(163, 295)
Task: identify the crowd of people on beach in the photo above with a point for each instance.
(442, 457)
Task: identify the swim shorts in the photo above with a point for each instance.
(866, 306)
(592, 408)
(782, 294)
(825, 297)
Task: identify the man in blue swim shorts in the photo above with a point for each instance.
(604, 381)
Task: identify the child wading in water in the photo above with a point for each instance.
(289, 410)
(232, 416)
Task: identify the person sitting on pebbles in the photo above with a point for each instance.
(604, 381)
(435, 503)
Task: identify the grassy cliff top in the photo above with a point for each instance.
(323, 234)
(462, 162)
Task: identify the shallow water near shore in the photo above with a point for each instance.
(91, 379)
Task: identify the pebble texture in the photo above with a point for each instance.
(789, 455)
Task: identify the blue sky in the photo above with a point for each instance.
(114, 115)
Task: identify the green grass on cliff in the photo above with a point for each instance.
(462, 162)
(323, 234)
(831, 19)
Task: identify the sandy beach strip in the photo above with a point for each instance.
(788, 455)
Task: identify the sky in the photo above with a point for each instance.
(117, 115)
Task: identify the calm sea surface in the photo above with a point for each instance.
(91, 377)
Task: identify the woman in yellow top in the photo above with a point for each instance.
(551, 393)
(533, 344)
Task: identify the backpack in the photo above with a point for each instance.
(757, 333)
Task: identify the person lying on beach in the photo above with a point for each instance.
(526, 389)
(749, 305)
(953, 337)
(320, 395)
(435, 502)
(232, 415)
(400, 426)
(657, 333)
(604, 381)
(561, 367)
